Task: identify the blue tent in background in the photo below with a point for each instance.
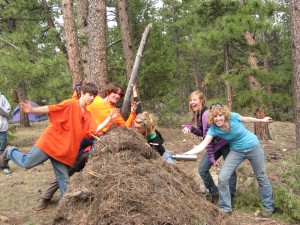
(15, 117)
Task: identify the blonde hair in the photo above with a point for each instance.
(200, 96)
(148, 121)
(217, 109)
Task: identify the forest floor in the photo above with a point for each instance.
(20, 190)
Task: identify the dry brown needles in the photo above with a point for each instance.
(127, 182)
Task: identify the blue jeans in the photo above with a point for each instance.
(205, 166)
(167, 156)
(3, 143)
(36, 157)
(255, 155)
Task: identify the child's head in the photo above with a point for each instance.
(114, 88)
(90, 88)
(216, 109)
(197, 101)
(145, 123)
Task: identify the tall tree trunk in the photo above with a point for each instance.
(252, 60)
(82, 16)
(72, 41)
(126, 36)
(226, 69)
(24, 119)
(260, 129)
(295, 34)
(97, 42)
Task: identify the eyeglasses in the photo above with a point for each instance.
(215, 105)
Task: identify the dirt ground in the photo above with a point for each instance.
(20, 191)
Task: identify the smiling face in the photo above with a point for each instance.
(219, 119)
(196, 101)
(114, 96)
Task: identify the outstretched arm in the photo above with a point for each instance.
(27, 108)
(113, 114)
(256, 120)
(201, 147)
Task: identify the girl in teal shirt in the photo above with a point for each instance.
(243, 145)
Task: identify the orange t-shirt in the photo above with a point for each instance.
(100, 111)
(68, 126)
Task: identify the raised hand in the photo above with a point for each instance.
(25, 107)
(114, 113)
(186, 129)
(134, 106)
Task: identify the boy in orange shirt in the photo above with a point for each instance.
(70, 122)
(99, 110)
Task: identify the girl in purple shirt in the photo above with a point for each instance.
(217, 147)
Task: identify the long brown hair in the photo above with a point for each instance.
(200, 96)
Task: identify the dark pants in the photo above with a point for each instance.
(205, 166)
(3, 144)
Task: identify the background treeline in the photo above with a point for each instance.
(236, 52)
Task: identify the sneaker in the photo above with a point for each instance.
(265, 214)
(3, 157)
(202, 189)
(42, 204)
(215, 198)
(6, 171)
(229, 213)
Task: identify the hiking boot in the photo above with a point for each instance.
(215, 198)
(228, 213)
(42, 204)
(3, 157)
(265, 214)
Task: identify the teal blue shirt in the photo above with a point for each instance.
(238, 137)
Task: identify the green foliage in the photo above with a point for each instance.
(287, 203)
(10, 133)
(35, 58)
(248, 200)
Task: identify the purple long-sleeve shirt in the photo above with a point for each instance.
(201, 130)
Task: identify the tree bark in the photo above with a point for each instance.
(97, 43)
(295, 34)
(72, 41)
(261, 130)
(126, 102)
(82, 17)
(226, 69)
(126, 36)
(24, 119)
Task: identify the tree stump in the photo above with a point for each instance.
(261, 130)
